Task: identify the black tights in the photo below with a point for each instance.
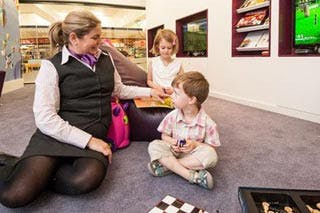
(66, 176)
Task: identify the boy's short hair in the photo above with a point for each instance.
(167, 35)
(194, 84)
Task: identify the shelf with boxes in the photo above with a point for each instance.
(250, 28)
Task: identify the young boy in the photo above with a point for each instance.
(188, 124)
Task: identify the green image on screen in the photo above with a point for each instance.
(307, 22)
(195, 38)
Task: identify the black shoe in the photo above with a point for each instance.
(7, 164)
(6, 159)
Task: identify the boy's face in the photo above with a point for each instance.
(180, 98)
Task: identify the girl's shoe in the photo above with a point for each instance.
(203, 178)
(157, 169)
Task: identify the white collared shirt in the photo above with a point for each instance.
(47, 102)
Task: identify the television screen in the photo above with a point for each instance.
(195, 38)
(307, 23)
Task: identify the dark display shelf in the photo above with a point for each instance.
(242, 36)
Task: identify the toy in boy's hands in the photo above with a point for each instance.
(181, 143)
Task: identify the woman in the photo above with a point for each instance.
(69, 151)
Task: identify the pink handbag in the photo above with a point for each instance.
(118, 132)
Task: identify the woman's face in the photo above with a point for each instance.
(89, 43)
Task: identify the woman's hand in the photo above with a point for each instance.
(100, 146)
(159, 94)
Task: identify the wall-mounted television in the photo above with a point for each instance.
(307, 25)
(195, 38)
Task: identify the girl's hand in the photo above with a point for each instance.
(100, 146)
(168, 90)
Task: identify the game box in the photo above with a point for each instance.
(261, 200)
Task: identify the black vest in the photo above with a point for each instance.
(85, 96)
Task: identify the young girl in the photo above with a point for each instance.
(164, 68)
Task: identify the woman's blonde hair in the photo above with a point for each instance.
(80, 22)
(167, 35)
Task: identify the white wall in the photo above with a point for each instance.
(288, 85)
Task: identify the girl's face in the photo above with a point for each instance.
(89, 43)
(165, 49)
(180, 98)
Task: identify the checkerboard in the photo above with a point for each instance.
(170, 204)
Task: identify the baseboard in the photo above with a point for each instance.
(269, 107)
(12, 85)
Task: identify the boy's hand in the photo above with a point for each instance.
(176, 148)
(188, 147)
(184, 146)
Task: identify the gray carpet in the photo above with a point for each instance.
(259, 148)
